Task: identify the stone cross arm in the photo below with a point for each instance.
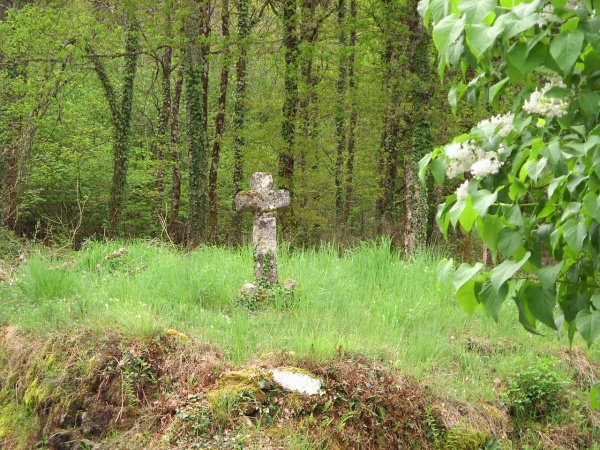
(261, 197)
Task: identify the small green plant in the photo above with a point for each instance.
(536, 392)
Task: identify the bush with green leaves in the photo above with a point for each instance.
(530, 177)
(531, 186)
(536, 392)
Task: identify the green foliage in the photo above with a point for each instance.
(534, 204)
(41, 281)
(536, 392)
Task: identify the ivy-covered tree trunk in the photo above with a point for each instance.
(161, 138)
(340, 114)
(219, 125)
(290, 108)
(388, 203)
(194, 62)
(121, 119)
(349, 183)
(416, 204)
(174, 223)
(239, 113)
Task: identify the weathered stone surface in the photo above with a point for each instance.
(264, 201)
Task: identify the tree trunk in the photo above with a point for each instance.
(290, 108)
(353, 117)
(219, 126)
(417, 205)
(196, 134)
(121, 119)
(239, 113)
(340, 115)
(161, 131)
(174, 228)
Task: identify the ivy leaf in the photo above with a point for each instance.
(464, 273)
(507, 269)
(541, 303)
(565, 49)
(492, 299)
(466, 298)
(588, 324)
(574, 232)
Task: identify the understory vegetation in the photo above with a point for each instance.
(131, 344)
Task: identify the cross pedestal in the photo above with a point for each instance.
(264, 202)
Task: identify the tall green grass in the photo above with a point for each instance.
(370, 301)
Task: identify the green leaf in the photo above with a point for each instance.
(591, 205)
(447, 31)
(423, 164)
(495, 90)
(477, 10)
(505, 270)
(466, 298)
(596, 299)
(438, 170)
(534, 168)
(489, 230)
(509, 240)
(525, 317)
(595, 396)
(589, 102)
(565, 49)
(549, 274)
(492, 299)
(455, 94)
(481, 37)
(439, 9)
(574, 232)
(444, 267)
(482, 200)
(588, 324)
(464, 273)
(540, 302)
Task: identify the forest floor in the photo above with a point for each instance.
(96, 353)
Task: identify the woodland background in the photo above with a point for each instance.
(144, 118)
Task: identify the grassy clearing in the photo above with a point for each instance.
(368, 301)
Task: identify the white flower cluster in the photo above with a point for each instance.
(505, 121)
(546, 106)
(468, 157)
(547, 13)
(461, 191)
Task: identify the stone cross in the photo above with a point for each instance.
(264, 201)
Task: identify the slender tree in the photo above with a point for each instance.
(121, 111)
(290, 105)
(194, 61)
(340, 113)
(219, 124)
(175, 152)
(419, 63)
(349, 182)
